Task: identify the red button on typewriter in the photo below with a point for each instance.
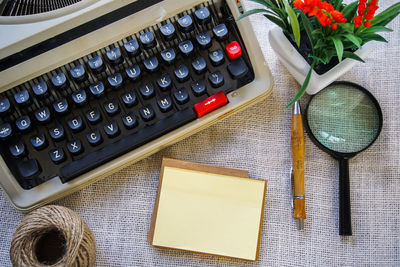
(210, 103)
(233, 50)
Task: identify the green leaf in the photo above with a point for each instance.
(276, 20)
(350, 10)
(308, 28)
(338, 4)
(373, 29)
(353, 39)
(386, 21)
(372, 36)
(303, 88)
(339, 47)
(294, 23)
(347, 54)
(391, 12)
(251, 12)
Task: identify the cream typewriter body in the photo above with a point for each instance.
(89, 89)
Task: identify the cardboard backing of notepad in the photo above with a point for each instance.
(208, 209)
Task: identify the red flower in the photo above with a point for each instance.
(324, 11)
(366, 12)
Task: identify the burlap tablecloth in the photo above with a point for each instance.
(118, 209)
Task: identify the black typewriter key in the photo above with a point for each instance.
(78, 73)
(168, 55)
(198, 87)
(202, 15)
(133, 72)
(216, 79)
(57, 133)
(182, 73)
(147, 90)
(97, 89)
(57, 155)
(5, 106)
(76, 124)
(96, 64)
(132, 48)
(181, 95)
(199, 65)
(147, 113)
(61, 106)
(22, 97)
(165, 104)
(39, 141)
(186, 47)
(216, 57)
(185, 24)
(79, 97)
(75, 147)
(129, 99)
(204, 40)
(111, 107)
(111, 128)
(151, 64)
(93, 115)
(237, 68)
(23, 123)
(42, 115)
(147, 40)
(115, 81)
(5, 131)
(114, 56)
(40, 89)
(29, 168)
(60, 81)
(168, 32)
(18, 149)
(221, 32)
(129, 120)
(94, 137)
(164, 82)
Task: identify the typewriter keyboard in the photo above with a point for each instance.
(81, 115)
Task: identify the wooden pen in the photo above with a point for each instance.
(298, 155)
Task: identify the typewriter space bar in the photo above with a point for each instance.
(126, 144)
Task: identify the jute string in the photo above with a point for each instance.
(77, 248)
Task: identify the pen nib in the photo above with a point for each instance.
(300, 224)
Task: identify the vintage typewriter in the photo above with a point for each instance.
(90, 88)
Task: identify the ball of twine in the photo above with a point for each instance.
(53, 236)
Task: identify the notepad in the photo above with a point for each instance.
(208, 209)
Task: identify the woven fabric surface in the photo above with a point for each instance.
(118, 209)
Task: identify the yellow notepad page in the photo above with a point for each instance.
(209, 213)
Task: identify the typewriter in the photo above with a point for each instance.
(90, 88)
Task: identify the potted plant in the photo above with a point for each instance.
(320, 40)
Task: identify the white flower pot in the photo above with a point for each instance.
(298, 66)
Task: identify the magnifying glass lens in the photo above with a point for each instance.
(343, 118)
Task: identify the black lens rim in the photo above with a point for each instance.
(333, 153)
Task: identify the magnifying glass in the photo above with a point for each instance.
(343, 119)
